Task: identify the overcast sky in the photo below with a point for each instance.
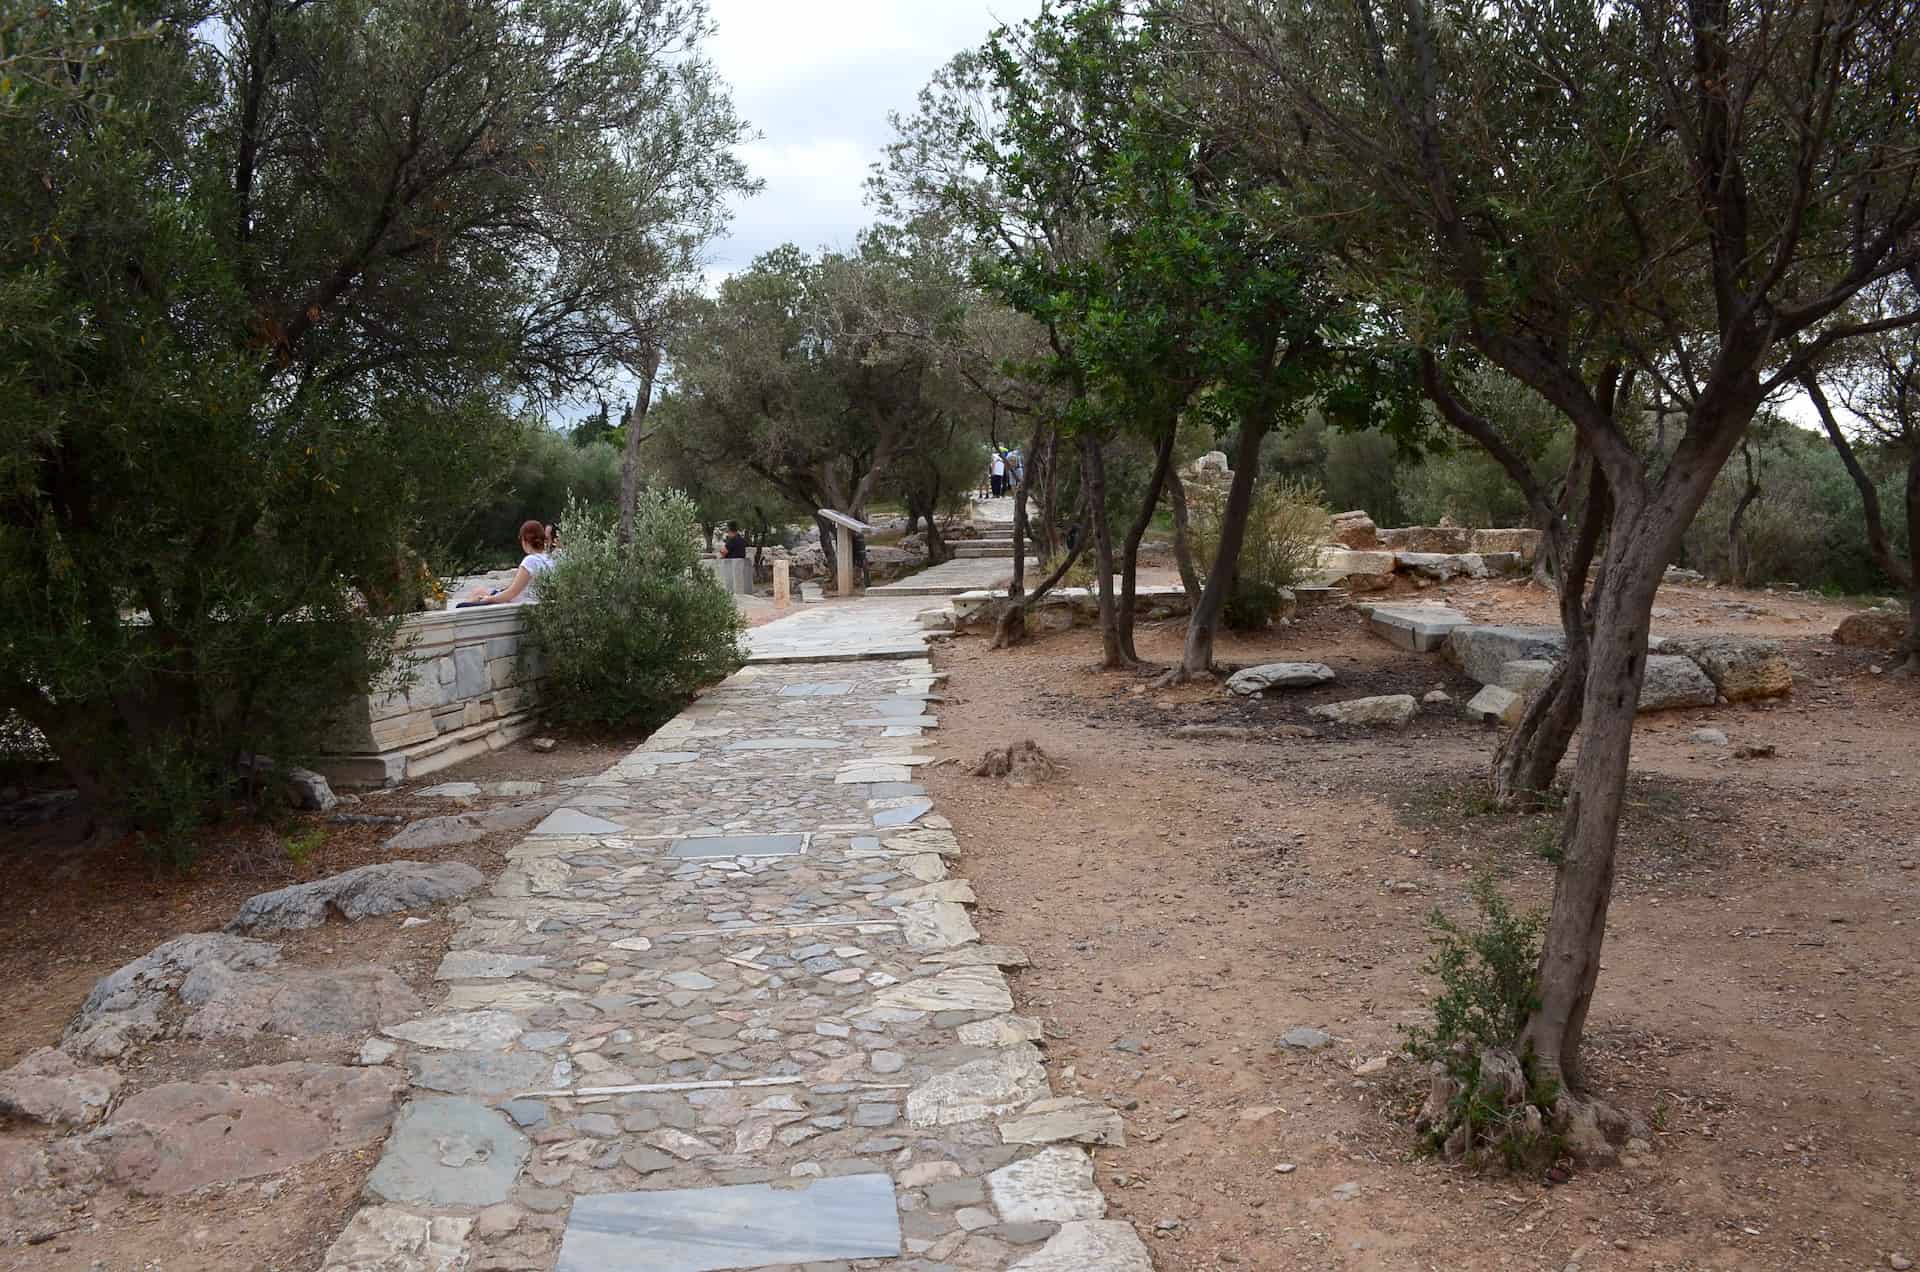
(817, 81)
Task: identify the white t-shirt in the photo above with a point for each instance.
(535, 564)
(999, 466)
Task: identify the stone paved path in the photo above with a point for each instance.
(950, 578)
(726, 1009)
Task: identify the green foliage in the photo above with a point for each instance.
(1488, 976)
(548, 469)
(301, 847)
(626, 634)
(271, 278)
(1285, 528)
(1252, 605)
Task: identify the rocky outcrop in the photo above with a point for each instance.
(50, 1086)
(1391, 710)
(383, 888)
(129, 1006)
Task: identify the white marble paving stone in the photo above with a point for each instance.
(571, 821)
(743, 1226)
(485, 965)
(956, 989)
(936, 925)
(1054, 1185)
(982, 1088)
(1090, 1245)
(483, 1030)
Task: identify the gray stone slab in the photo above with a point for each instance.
(905, 815)
(571, 821)
(446, 1152)
(1420, 628)
(745, 1226)
(1481, 651)
(739, 846)
(824, 689)
(786, 744)
(481, 1073)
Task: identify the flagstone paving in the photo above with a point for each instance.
(726, 1008)
(950, 578)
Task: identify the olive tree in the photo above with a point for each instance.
(1592, 197)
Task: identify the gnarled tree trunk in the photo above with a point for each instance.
(1203, 624)
(1182, 541)
(1093, 479)
(1130, 550)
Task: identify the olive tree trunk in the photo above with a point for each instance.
(1182, 542)
(630, 457)
(1203, 624)
(1130, 550)
(1093, 478)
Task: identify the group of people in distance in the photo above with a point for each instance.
(1005, 471)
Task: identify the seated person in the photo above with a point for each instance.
(734, 546)
(525, 585)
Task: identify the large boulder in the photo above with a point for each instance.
(382, 888)
(49, 1086)
(1394, 710)
(234, 1125)
(1675, 681)
(1279, 676)
(1872, 629)
(1481, 651)
(1742, 669)
(1354, 530)
(128, 1006)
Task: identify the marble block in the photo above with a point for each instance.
(571, 821)
(739, 846)
(745, 1226)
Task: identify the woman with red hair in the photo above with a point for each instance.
(525, 586)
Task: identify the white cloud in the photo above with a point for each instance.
(817, 81)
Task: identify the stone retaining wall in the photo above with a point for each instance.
(467, 696)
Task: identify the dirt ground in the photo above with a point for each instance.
(1186, 901)
(78, 906)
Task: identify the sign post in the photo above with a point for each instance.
(845, 528)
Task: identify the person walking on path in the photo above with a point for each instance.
(998, 471)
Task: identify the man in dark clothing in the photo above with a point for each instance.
(735, 543)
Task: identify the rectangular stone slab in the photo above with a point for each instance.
(739, 846)
(745, 1226)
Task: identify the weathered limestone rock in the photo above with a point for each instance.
(127, 1006)
(1054, 1185)
(310, 790)
(1481, 651)
(235, 1125)
(1525, 675)
(296, 1002)
(1442, 566)
(1741, 669)
(1445, 539)
(1357, 571)
(1354, 530)
(1281, 675)
(389, 1239)
(1674, 681)
(446, 831)
(1417, 627)
(1105, 1245)
(1065, 1118)
(48, 1086)
(1495, 703)
(1393, 709)
(1522, 543)
(382, 888)
(1872, 629)
(986, 1087)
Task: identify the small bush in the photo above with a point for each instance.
(626, 634)
(1252, 606)
(1285, 528)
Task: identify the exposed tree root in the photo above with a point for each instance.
(1484, 1109)
(1179, 675)
(1022, 764)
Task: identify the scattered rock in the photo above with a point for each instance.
(1674, 680)
(1305, 1038)
(1441, 566)
(1281, 675)
(1708, 737)
(382, 888)
(447, 831)
(233, 1125)
(49, 1086)
(1899, 1262)
(1063, 1118)
(452, 790)
(1494, 704)
(1346, 1192)
(1354, 530)
(1436, 698)
(309, 790)
(544, 745)
(1741, 669)
(1390, 709)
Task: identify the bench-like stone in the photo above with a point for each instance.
(1741, 669)
(1481, 651)
(1419, 628)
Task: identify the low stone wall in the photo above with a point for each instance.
(467, 696)
(1066, 607)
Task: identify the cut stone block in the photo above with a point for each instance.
(1392, 709)
(1495, 703)
(1525, 675)
(1420, 628)
(1673, 681)
(1481, 651)
(1442, 566)
(1053, 1186)
(739, 846)
(1741, 669)
(744, 1226)
(571, 821)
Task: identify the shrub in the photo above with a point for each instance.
(1252, 605)
(626, 634)
(1285, 528)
